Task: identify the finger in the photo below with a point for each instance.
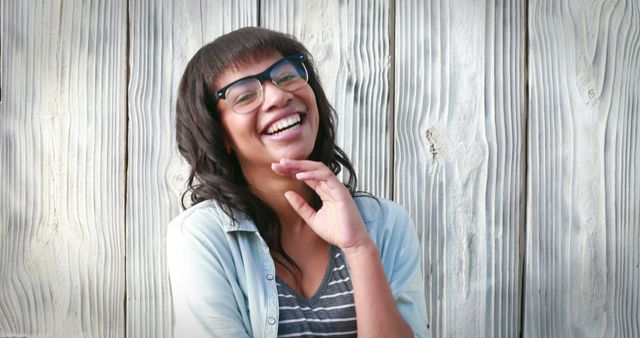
(322, 189)
(282, 170)
(325, 192)
(313, 184)
(322, 174)
(300, 206)
(291, 167)
(301, 165)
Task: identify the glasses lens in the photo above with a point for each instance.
(289, 75)
(244, 96)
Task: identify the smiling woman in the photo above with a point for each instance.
(287, 128)
(274, 244)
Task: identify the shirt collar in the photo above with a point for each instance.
(242, 223)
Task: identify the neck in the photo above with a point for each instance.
(270, 188)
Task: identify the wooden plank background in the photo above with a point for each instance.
(583, 211)
(62, 161)
(459, 157)
(508, 129)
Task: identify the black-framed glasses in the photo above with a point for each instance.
(246, 94)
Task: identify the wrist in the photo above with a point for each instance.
(361, 248)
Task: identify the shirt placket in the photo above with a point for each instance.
(269, 274)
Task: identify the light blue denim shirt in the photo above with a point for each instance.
(223, 277)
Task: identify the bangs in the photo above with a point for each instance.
(241, 61)
(242, 47)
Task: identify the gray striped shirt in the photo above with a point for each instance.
(329, 312)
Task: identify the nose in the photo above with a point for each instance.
(274, 97)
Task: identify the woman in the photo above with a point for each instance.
(275, 244)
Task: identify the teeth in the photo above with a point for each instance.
(284, 124)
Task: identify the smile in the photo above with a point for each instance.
(287, 123)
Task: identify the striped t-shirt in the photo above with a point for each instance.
(329, 312)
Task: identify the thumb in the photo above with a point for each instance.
(300, 206)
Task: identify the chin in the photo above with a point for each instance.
(296, 154)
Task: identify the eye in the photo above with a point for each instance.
(245, 98)
(286, 79)
(244, 92)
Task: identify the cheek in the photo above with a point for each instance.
(312, 105)
(230, 129)
(312, 98)
(237, 128)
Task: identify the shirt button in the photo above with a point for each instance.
(270, 277)
(271, 320)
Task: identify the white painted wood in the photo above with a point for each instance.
(164, 35)
(459, 156)
(350, 44)
(450, 147)
(583, 214)
(62, 173)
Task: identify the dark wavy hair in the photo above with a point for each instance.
(216, 174)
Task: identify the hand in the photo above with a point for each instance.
(338, 221)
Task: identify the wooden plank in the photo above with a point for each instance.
(349, 41)
(62, 154)
(459, 164)
(2, 20)
(583, 257)
(164, 35)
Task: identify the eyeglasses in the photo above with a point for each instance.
(246, 94)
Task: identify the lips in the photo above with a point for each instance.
(281, 124)
(284, 124)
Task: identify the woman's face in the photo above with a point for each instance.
(284, 125)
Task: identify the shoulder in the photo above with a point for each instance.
(206, 215)
(376, 211)
(199, 230)
(383, 218)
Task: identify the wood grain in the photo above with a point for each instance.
(349, 41)
(583, 236)
(431, 98)
(459, 162)
(62, 132)
(164, 35)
